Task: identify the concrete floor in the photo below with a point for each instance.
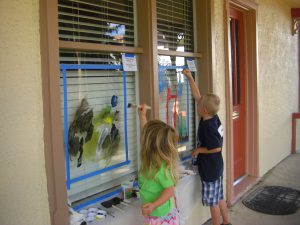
(287, 174)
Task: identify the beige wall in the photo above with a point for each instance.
(278, 81)
(23, 189)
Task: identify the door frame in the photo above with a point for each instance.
(249, 9)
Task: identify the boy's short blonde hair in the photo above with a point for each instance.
(211, 102)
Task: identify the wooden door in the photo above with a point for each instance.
(237, 40)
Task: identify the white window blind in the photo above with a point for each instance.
(97, 21)
(98, 87)
(175, 25)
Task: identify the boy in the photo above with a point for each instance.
(208, 152)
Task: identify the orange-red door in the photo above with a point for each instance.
(238, 91)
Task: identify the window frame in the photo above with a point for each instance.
(146, 31)
(105, 48)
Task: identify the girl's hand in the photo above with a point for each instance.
(187, 73)
(142, 109)
(147, 208)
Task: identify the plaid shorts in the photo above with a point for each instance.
(212, 192)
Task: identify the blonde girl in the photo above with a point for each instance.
(158, 174)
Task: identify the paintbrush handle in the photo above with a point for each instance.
(117, 208)
(124, 203)
(140, 106)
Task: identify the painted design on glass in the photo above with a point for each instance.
(105, 141)
(95, 138)
(80, 130)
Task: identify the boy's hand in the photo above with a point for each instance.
(195, 153)
(147, 208)
(187, 73)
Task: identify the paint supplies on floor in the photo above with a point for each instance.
(93, 214)
(114, 202)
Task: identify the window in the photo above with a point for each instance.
(93, 32)
(100, 132)
(176, 104)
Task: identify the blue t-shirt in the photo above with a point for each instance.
(210, 135)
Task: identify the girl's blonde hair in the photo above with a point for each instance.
(211, 102)
(159, 145)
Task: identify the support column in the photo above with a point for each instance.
(148, 65)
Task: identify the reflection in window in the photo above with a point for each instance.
(117, 32)
(105, 22)
(175, 25)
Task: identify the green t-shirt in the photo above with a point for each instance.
(151, 189)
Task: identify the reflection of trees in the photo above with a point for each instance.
(174, 24)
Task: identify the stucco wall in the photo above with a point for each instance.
(23, 189)
(278, 81)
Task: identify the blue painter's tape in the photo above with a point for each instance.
(83, 177)
(188, 109)
(90, 67)
(64, 68)
(101, 198)
(125, 114)
(128, 55)
(163, 68)
(172, 67)
(162, 83)
(66, 129)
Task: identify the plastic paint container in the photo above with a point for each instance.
(84, 212)
(93, 210)
(91, 214)
(127, 191)
(102, 212)
(90, 218)
(138, 194)
(100, 217)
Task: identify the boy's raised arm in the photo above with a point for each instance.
(195, 91)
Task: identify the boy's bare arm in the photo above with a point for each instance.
(195, 91)
(205, 151)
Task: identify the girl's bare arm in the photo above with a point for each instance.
(165, 196)
(142, 115)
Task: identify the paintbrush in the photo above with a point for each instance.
(130, 105)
